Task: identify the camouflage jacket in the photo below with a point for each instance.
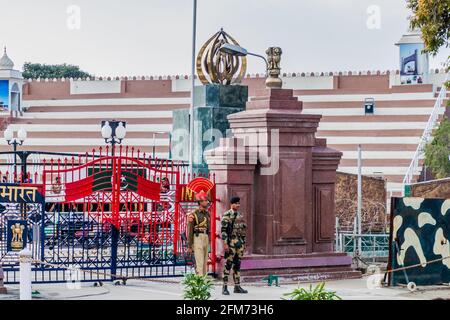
(234, 228)
(197, 220)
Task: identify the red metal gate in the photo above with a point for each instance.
(129, 207)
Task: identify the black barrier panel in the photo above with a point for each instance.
(420, 245)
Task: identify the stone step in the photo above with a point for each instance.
(292, 271)
(305, 277)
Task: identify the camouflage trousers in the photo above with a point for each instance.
(233, 261)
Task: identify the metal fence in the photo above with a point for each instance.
(372, 245)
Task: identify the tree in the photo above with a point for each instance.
(37, 70)
(433, 18)
(438, 151)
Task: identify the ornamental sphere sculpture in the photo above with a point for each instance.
(214, 66)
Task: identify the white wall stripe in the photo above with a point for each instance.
(379, 155)
(102, 102)
(361, 97)
(97, 115)
(377, 112)
(87, 142)
(89, 127)
(345, 126)
(376, 140)
(376, 170)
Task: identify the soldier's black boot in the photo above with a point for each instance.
(225, 290)
(239, 289)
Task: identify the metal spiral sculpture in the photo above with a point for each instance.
(214, 66)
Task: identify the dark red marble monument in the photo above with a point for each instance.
(285, 177)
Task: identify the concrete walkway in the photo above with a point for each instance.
(355, 289)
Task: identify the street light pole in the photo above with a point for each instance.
(114, 132)
(191, 111)
(236, 50)
(21, 137)
(359, 203)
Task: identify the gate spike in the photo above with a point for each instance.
(100, 151)
(120, 150)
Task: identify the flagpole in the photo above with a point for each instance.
(191, 111)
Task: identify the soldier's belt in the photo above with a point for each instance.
(200, 231)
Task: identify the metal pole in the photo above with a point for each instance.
(191, 111)
(154, 143)
(25, 274)
(336, 233)
(358, 213)
(114, 228)
(15, 160)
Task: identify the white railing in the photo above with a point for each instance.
(434, 116)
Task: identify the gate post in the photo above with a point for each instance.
(25, 274)
(115, 223)
(233, 166)
(114, 245)
(2, 286)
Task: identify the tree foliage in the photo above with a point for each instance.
(438, 151)
(38, 70)
(433, 18)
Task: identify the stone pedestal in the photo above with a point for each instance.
(283, 137)
(325, 164)
(233, 166)
(292, 223)
(213, 103)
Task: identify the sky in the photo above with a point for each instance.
(154, 37)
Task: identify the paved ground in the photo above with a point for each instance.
(356, 289)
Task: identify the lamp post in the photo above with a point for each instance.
(191, 109)
(114, 132)
(21, 137)
(240, 52)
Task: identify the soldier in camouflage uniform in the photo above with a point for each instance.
(233, 236)
(199, 225)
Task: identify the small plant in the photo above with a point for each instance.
(197, 287)
(318, 293)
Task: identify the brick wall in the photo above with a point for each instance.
(374, 218)
(436, 189)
